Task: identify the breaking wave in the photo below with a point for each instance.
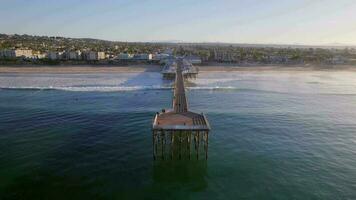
(141, 88)
(130, 88)
(91, 88)
(114, 88)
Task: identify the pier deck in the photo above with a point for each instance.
(188, 70)
(180, 123)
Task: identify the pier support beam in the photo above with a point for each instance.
(180, 145)
(166, 143)
(154, 144)
(172, 144)
(188, 142)
(206, 140)
(163, 142)
(198, 142)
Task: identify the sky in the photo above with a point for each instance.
(311, 22)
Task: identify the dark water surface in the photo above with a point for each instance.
(97, 145)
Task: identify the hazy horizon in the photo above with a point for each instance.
(240, 22)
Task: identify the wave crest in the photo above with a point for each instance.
(113, 88)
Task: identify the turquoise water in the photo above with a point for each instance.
(282, 135)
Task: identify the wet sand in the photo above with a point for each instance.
(227, 68)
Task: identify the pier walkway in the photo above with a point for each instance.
(174, 128)
(188, 70)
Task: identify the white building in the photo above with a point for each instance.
(39, 56)
(72, 55)
(54, 55)
(93, 55)
(25, 53)
(89, 55)
(101, 55)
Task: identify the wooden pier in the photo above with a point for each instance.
(178, 132)
(188, 70)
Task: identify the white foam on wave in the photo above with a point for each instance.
(281, 82)
(118, 88)
(94, 88)
(85, 82)
(212, 88)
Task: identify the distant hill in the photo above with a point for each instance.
(57, 41)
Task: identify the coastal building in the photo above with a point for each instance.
(16, 53)
(159, 56)
(125, 56)
(167, 60)
(278, 59)
(39, 56)
(226, 56)
(52, 55)
(109, 56)
(72, 55)
(338, 60)
(93, 55)
(89, 55)
(193, 59)
(101, 55)
(142, 56)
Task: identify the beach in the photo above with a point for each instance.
(229, 67)
(68, 69)
(75, 69)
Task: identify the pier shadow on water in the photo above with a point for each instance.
(149, 77)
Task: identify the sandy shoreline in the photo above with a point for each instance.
(276, 68)
(156, 68)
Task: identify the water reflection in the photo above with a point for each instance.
(188, 173)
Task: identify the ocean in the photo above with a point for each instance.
(275, 135)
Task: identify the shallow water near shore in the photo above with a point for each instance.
(275, 135)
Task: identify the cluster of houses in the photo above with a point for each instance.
(235, 57)
(272, 57)
(76, 55)
(81, 55)
(65, 55)
(219, 55)
(26, 53)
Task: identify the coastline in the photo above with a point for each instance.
(256, 68)
(75, 69)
